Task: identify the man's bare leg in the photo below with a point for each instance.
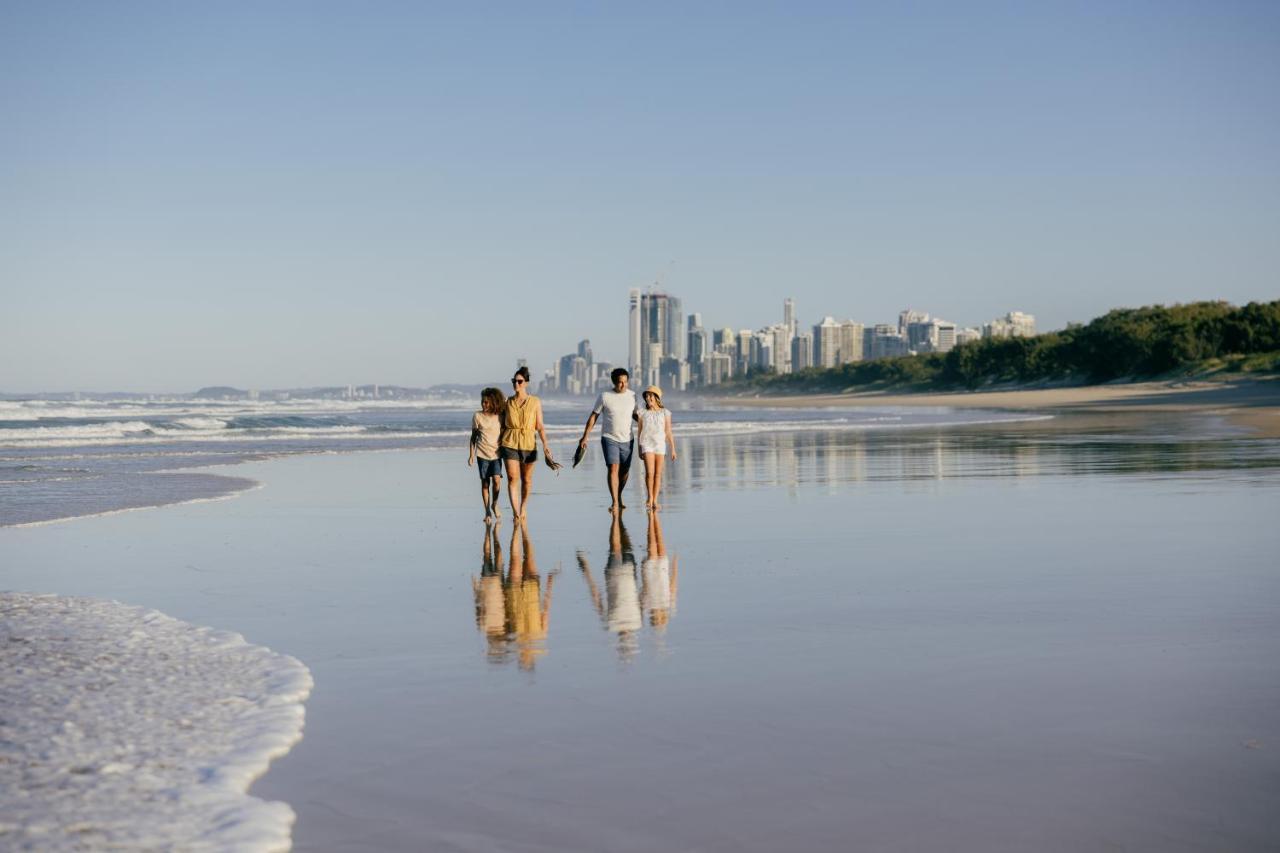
(611, 477)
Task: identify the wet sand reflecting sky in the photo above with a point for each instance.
(984, 639)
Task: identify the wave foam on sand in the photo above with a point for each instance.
(121, 727)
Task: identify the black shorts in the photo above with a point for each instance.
(489, 468)
(523, 456)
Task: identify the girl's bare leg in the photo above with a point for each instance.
(658, 462)
(484, 499)
(495, 492)
(514, 486)
(648, 480)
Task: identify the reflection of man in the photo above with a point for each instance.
(619, 409)
(620, 608)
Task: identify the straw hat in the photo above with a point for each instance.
(654, 390)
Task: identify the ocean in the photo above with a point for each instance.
(62, 460)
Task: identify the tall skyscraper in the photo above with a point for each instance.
(635, 338)
(789, 315)
(657, 328)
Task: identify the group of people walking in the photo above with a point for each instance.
(505, 432)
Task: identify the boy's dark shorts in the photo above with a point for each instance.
(489, 468)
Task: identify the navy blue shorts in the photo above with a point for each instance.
(617, 453)
(489, 468)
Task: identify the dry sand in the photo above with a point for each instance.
(1253, 403)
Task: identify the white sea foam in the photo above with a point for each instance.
(122, 728)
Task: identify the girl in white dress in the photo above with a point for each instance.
(655, 440)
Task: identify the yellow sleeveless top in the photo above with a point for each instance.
(518, 422)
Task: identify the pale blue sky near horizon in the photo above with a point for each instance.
(292, 194)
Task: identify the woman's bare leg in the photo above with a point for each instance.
(658, 462)
(526, 486)
(514, 486)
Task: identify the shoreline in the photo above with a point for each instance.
(1251, 404)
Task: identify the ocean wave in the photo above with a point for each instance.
(125, 728)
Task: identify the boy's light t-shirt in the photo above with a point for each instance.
(618, 408)
(485, 427)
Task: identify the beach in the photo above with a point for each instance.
(1050, 634)
(1254, 403)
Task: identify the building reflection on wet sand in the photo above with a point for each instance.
(741, 461)
(513, 611)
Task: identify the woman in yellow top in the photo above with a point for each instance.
(521, 420)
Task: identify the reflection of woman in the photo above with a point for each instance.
(658, 578)
(527, 614)
(521, 422)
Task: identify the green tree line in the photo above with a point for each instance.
(1124, 343)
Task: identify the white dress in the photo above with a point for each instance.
(653, 435)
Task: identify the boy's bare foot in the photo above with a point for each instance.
(488, 519)
(613, 509)
(657, 507)
(497, 513)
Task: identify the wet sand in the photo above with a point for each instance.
(990, 638)
(1254, 404)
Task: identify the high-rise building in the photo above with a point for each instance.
(789, 315)
(849, 347)
(909, 316)
(635, 341)
(743, 357)
(826, 343)
(657, 330)
(1015, 324)
(967, 335)
(584, 349)
(801, 351)
(886, 342)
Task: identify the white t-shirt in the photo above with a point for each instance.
(617, 408)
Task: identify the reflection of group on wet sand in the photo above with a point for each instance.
(511, 609)
(623, 606)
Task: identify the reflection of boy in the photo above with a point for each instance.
(490, 606)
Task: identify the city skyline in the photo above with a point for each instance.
(284, 196)
(678, 352)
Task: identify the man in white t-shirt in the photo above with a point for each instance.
(619, 408)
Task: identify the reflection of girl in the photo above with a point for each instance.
(521, 422)
(655, 438)
(658, 578)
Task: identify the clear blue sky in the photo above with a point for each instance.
(280, 194)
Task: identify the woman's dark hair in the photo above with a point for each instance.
(522, 371)
(491, 400)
